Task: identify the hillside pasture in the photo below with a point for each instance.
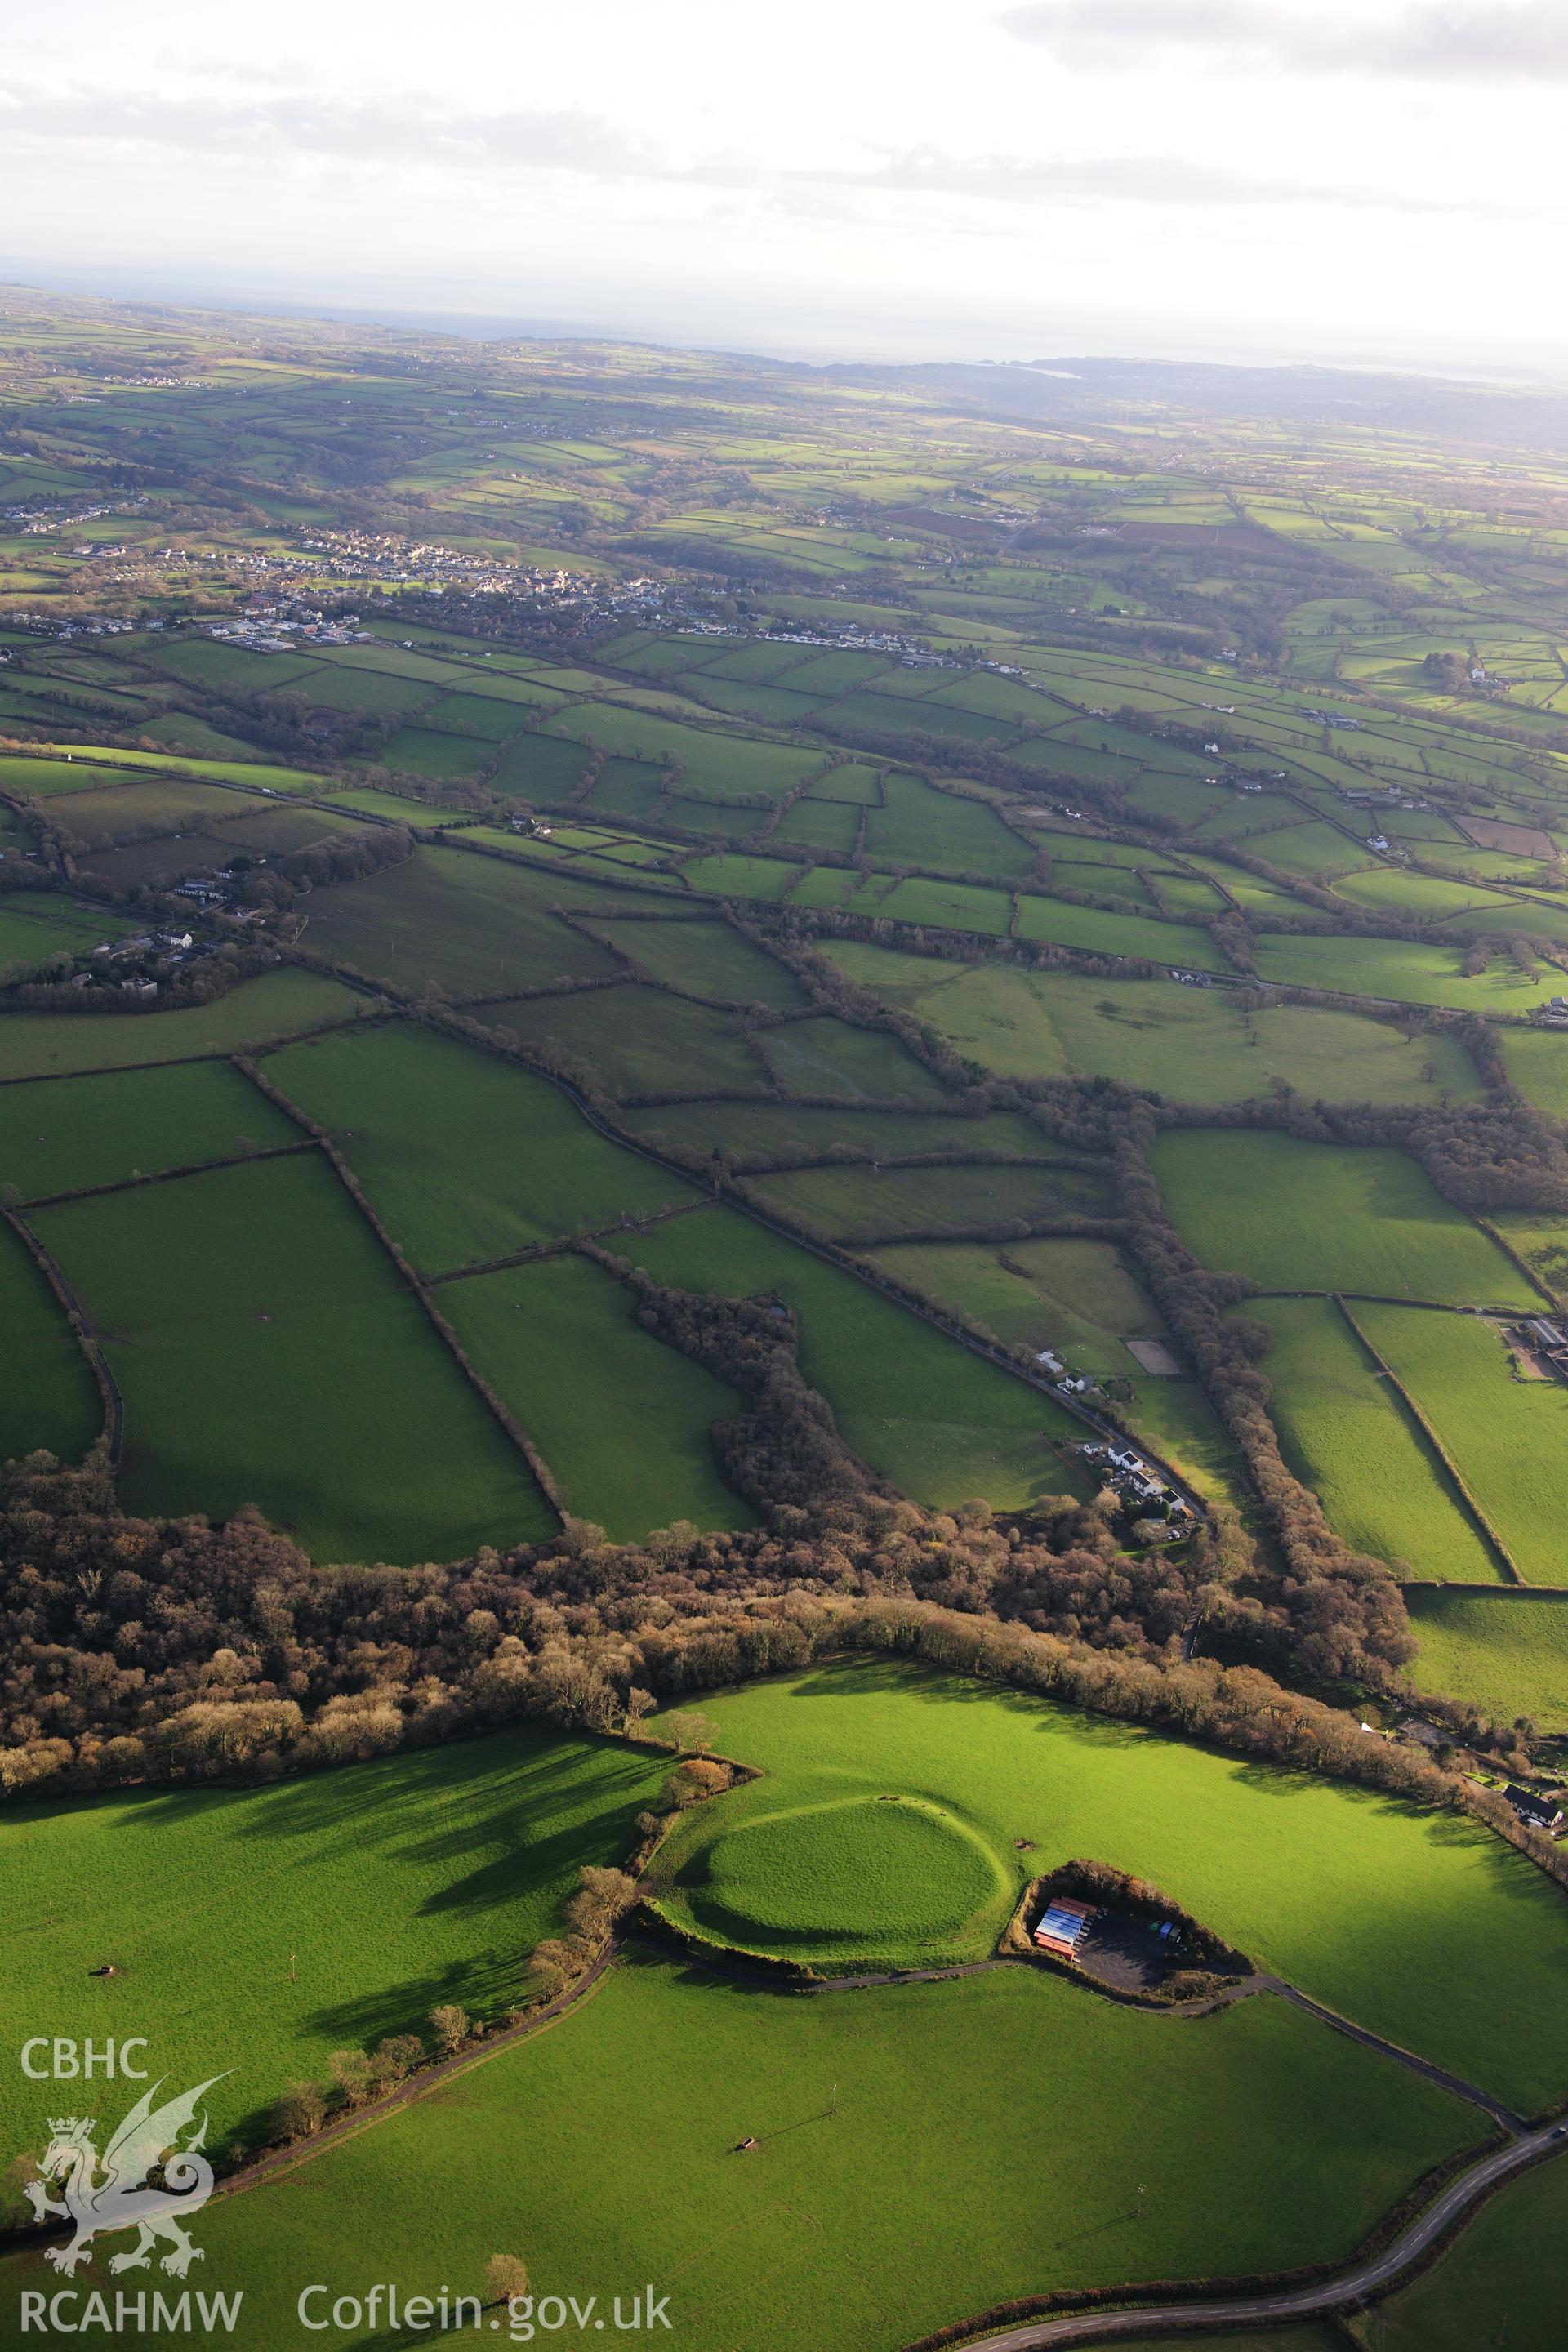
(637, 1040)
(1190, 1045)
(785, 1134)
(48, 1397)
(706, 958)
(267, 1354)
(859, 1204)
(829, 1057)
(1318, 1216)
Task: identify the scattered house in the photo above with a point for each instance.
(1052, 1362)
(1536, 1812)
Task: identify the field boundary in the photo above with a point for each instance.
(500, 1413)
(1494, 1542)
(113, 1431)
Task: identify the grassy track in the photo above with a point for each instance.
(267, 1354)
(940, 1422)
(62, 1135)
(463, 1157)
(1422, 1927)
(1348, 1436)
(1316, 1216)
(1507, 1436)
(622, 1420)
(297, 1919)
(913, 2162)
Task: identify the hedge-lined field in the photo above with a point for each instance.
(63, 1135)
(301, 1918)
(278, 1004)
(48, 1394)
(1189, 1045)
(1321, 1216)
(464, 1157)
(269, 1354)
(476, 926)
(1503, 2282)
(1506, 1655)
(1506, 1436)
(941, 1423)
(912, 2164)
(622, 1420)
(845, 1203)
(1348, 1435)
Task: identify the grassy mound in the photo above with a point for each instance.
(861, 1877)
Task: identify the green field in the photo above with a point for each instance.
(1504, 2281)
(542, 2146)
(1420, 1926)
(706, 958)
(854, 1204)
(1191, 1044)
(1409, 972)
(475, 926)
(1318, 1216)
(846, 1881)
(832, 1057)
(919, 826)
(267, 1354)
(785, 1132)
(638, 1040)
(1504, 1435)
(1347, 1434)
(621, 1420)
(278, 1004)
(1506, 1655)
(344, 1907)
(1537, 1064)
(36, 925)
(464, 1157)
(941, 1423)
(47, 1394)
(64, 1135)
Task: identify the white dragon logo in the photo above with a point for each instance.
(122, 2199)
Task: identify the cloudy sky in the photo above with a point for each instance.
(1357, 180)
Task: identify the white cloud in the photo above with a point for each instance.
(1455, 40)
